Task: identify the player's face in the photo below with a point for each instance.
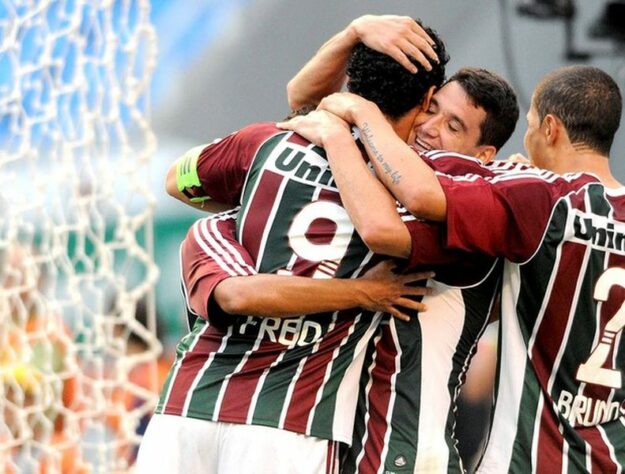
(451, 122)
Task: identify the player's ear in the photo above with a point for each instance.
(427, 98)
(551, 127)
(486, 154)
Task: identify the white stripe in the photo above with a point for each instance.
(604, 436)
(267, 229)
(225, 244)
(565, 455)
(535, 435)
(393, 388)
(344, 415)
(185, 291)
(289, 393)
(259, 387)
(512, 361)
(179, 362)
(365, 435)
(240, 365)
(326, 376)
(224, 257)
(198, 377)
(441, 329)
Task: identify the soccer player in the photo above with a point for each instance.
(240, 378)
(561, 229)
(406, 422)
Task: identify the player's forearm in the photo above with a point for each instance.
(411, 181)
(324, 73)
(371, 208)
(279, 296)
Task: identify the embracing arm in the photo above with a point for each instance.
(215, 266)
(396, 36)
(370, 206)
(406, 176)
(277, 296)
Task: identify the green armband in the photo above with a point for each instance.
(186, 169)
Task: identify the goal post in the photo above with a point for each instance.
(78, 346)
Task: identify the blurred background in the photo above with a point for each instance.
(222, 65)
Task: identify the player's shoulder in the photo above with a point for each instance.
(262, 130)
(454, 164)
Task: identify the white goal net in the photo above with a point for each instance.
(77, 331)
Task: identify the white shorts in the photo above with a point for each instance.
(175, 444)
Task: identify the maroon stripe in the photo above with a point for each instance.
(600, 460)
(379, 398)
(298, 140)
(330, 457)
(191, 364)
(259, 210)
(552, 328)
(618, 207)
(550, 443)
(238, 396)
(312, 376)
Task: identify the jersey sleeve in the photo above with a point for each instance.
(505, 216)
(210, 253)
(453, 267)
(218, 170)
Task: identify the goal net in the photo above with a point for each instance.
(77, 329)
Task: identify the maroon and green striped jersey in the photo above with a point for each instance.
(299, 374)
(560, 395)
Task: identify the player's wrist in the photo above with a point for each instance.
(353, 31)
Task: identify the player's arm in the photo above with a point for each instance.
(397, 36)
(408, 178)
(211, 177)
(180, 185)
(217, 269)
(276, 296)
(371, 208)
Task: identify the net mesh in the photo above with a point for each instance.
(77, 330)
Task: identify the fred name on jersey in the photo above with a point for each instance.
(289, 332)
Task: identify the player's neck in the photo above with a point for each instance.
(586, 160)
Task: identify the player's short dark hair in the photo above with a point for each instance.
(395, 90)
(587, 101)
(493, 94)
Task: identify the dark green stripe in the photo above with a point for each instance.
(324, 412)
(404, 437)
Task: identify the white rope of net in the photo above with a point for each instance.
(77, 329)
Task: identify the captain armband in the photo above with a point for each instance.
(187, 179)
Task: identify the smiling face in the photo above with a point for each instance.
(452, 122)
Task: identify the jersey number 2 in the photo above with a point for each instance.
(593, 370)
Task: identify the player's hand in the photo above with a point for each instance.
(400, 37)
(518, 158)
(316, 127)
(390, 292)
(347, 105)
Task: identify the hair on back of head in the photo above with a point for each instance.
(587, 101)
(382, 80)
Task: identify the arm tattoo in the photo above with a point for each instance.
(377, 154)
